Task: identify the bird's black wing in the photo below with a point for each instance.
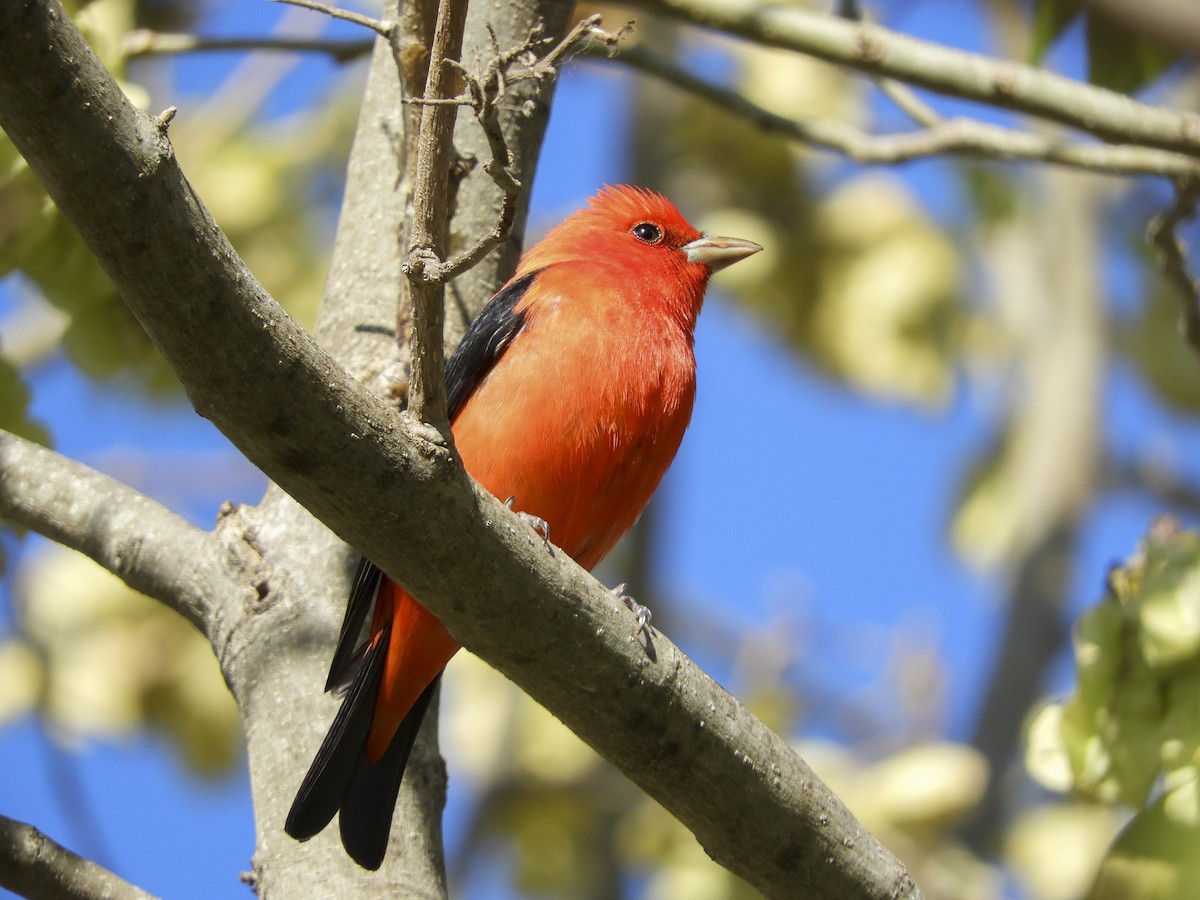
(486, 339)
(485, 342)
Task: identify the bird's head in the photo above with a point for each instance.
(642, 239)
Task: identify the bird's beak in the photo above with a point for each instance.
(718, 252)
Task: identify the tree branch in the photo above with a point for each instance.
(483, 96)
(378, 481)
(431, 187)
(384, 29)
(33, 866)
(878, 51)
(958, 136)
(144, 42)
(146, 545)
(1172, 257)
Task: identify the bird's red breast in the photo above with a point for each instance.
(570, 393)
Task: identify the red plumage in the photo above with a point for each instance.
(575, 387)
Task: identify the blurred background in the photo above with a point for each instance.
(938, 409)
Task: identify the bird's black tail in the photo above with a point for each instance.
(341, 778)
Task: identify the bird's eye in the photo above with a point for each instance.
(647, 232)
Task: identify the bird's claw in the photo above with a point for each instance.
(641, 613)
(540, 525)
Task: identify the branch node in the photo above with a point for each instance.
(163, 120)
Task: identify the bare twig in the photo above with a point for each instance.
(146, 545)
(427, 393)
(482, 96)
(880, 52)
(144, 42)
(1172, 256)
(382, 28)
(956, 136)
(898, 92)
(425, 266)
(33, 866)
(911, 104)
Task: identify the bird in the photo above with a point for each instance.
(569, 395)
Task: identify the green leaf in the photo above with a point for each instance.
(1123, 61)
(1154, 857)
(1132, 726)
(14, 406)
(1050, 19)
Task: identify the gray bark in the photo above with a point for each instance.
(390, 487)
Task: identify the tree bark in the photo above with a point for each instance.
(389, 486)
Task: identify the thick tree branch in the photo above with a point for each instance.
(382, 484)
(958, 136)
(145, 544)
(878, 51)
(33, 866)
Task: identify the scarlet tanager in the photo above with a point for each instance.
(570, 393)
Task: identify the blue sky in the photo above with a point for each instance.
(842, 522)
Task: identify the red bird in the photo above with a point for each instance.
(570, 392)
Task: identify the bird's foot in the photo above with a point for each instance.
(540, 525)
(641, 613)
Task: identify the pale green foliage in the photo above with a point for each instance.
(98, 660)
(1054, 848)
(254, 180)
(1133, 722)
(1153, 345)
(1130, 733)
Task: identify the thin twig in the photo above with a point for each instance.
(382, 28)
(910, 103)
(880, 52)
(483, 96)
(957, 136)
(145, 42)
(898, 92)
(427, 393)
(1173, 259)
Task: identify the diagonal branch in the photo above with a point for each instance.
(145, 42)
(382, 484)
(33, 866)
(384, 29)
(880, 52)
(146, 545)
(957, 136)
